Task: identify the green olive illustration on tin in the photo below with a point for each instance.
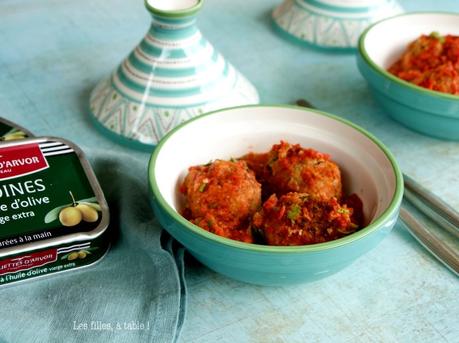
(13, 134)
(72, 256)
(88, 213)
(81, 254)
(72, 214)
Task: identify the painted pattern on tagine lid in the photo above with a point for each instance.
(173, 75)
(330, 24)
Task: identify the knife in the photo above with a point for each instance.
(435, 246)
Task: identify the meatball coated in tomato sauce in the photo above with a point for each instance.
(300, 219)
(291, 168)
(432, 62)
(221, 197)
(305, 202)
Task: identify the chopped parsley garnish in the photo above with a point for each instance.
(343, 211)
(436, 35)
(294, 212)
(202, 187)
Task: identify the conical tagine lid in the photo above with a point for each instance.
(330, 24)
(173, 75)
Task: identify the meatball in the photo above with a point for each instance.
(444, 78)
(423, 54)
(221, 197)
(300, 219)
(291, 168)
(431, 62)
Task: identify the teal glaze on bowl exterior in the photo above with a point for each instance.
(172, 75)
(429, 112)
(271, 268)
(368, 169)
(330, 24)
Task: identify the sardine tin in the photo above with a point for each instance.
(53, 214)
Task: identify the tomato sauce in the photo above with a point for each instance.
(302, 189)
(432, 62)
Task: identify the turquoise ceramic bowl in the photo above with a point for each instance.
(429, 112)
(368, 169)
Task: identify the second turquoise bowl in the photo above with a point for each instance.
(368, 169)
(429, 112)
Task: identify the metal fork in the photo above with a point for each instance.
(441, 213)
(432, 206)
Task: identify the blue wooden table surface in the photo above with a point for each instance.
(55, 51)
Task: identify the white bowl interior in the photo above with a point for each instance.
(172, 5)
(366, 170)
(386, 41)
